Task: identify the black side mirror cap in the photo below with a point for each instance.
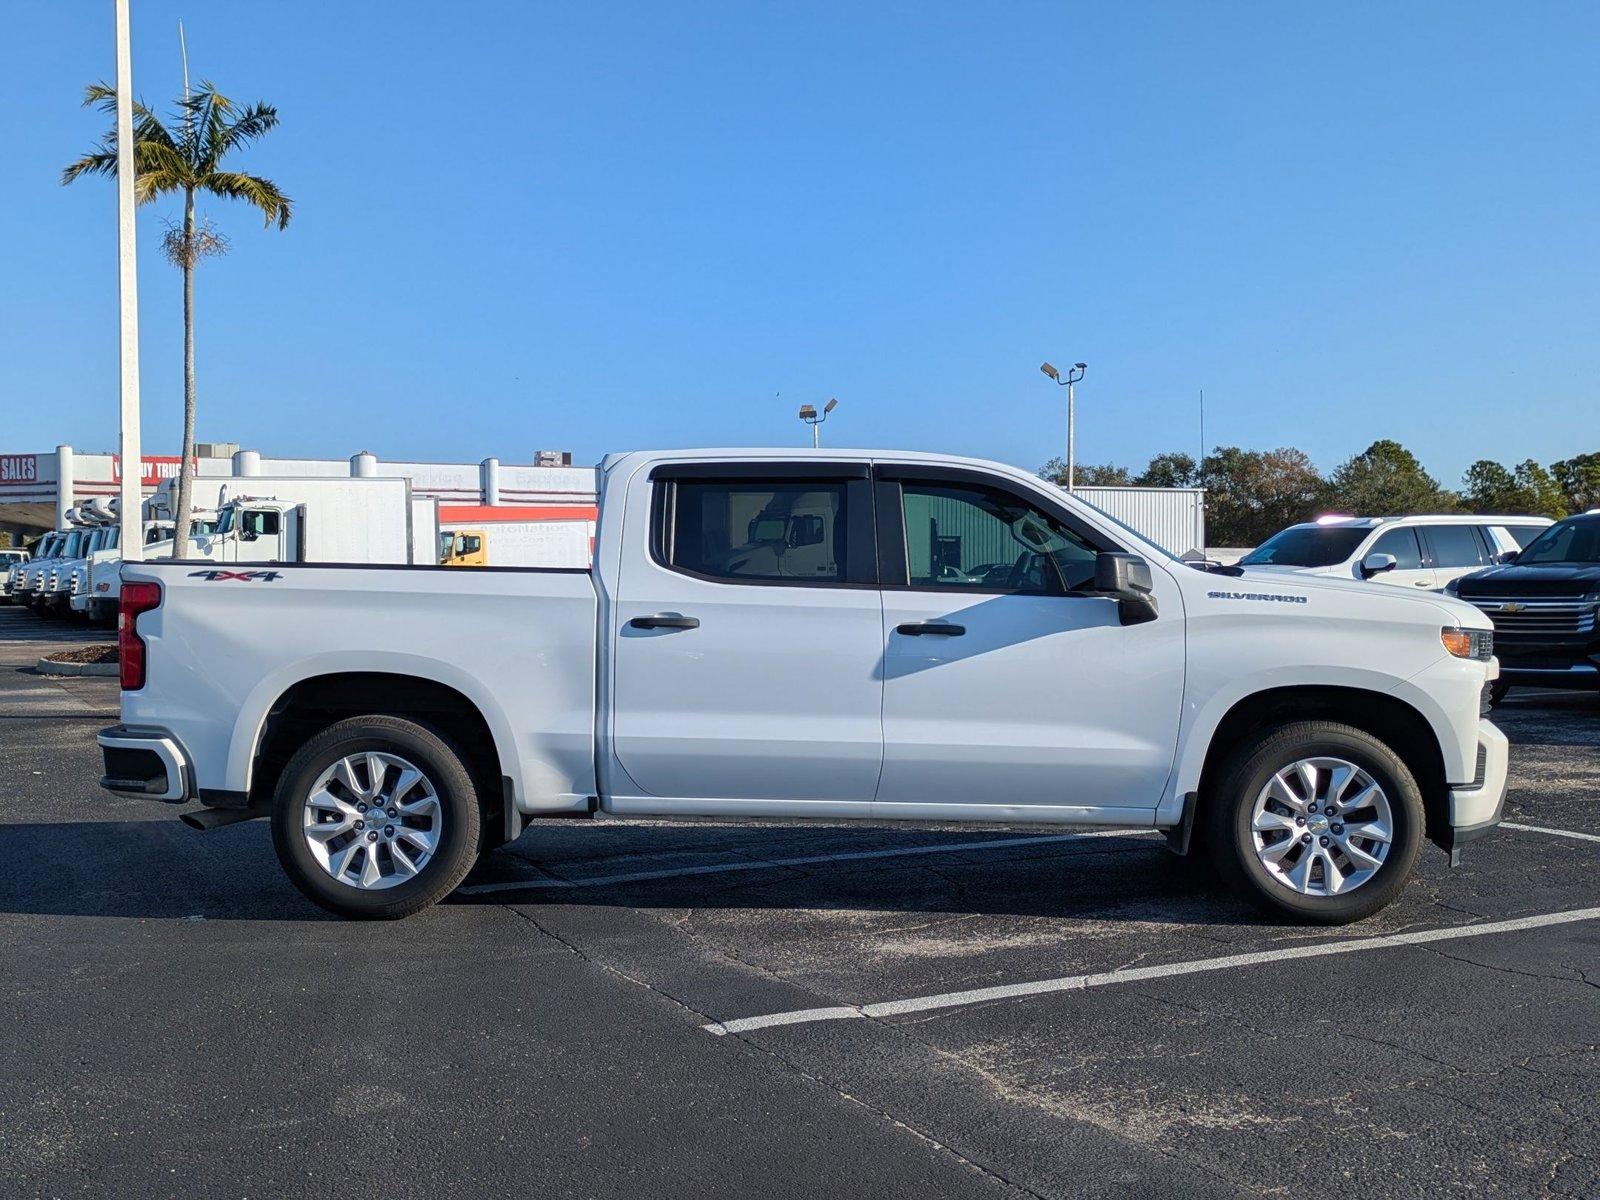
(1126, 579)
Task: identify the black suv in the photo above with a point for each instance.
(1543, 601)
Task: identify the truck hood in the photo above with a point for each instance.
(1309, 581)
(1556, 579)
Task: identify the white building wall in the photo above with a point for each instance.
(1172, 518)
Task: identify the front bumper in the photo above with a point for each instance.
(1476, 807)
(146, 762)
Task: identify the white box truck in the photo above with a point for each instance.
(517, 536)
(323, 520)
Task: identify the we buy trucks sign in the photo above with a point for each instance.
(153, 468)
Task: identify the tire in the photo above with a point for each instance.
(353, 874)
(1335, 886)
(1497, 691)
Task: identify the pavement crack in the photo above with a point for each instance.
(583, 955)
(884, 1114)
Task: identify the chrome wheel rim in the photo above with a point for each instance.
(1322, 827)
(372, 820)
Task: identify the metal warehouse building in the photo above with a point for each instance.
(37, 489)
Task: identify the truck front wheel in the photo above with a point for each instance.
(1317, 821)
(376, 817)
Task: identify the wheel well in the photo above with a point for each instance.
(1394, 722)
(312, 705)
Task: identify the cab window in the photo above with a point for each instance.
(967, 537)
(739, 531)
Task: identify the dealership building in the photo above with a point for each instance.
(36, 490)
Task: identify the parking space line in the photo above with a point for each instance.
(767, 864)
(1566, 833)
(1012, 991)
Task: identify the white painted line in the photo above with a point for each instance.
(1566, 833)
(766, 864)
(1070, 983)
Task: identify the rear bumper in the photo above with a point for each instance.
(145, 762)
(1476, 807)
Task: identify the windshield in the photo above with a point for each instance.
(157, 533)
(1576, 540)
(202, 527)
(1307, 546)
(73, 546)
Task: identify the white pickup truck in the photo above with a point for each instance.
(831, 634)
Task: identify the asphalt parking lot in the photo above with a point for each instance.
(722, 1008)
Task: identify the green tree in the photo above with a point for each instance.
(1384, 479)
(1579, 479)
(1172, 470)
(1086, 474)
(1489, 488)
(1251, 494)
(187, 160)
(1541, 494)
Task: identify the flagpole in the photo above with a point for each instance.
(131, 489)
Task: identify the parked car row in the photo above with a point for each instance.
(1538, 580)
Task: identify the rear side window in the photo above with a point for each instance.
(793, 531)
(1454, 545)
(1523, 534)
(1402, 543)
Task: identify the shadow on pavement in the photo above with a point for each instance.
(162, 870)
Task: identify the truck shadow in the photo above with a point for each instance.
(160, 870)
(918, 871)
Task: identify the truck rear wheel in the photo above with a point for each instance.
(376, 817)
(1317, 821)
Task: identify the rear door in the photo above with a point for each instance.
(1454, 551)
(1009, 689)
(747, 633)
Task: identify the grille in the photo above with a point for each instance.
(1538, 614)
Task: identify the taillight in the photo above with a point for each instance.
(136, 598)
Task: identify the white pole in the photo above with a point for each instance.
(131, 489)
(1072, 432)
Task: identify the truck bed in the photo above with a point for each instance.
(229, 640)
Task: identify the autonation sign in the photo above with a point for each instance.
(19, 468)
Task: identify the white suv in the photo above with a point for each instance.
(1415, 551)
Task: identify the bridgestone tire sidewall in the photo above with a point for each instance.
(1250, 771)
(437, 759)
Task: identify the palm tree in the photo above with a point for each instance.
(209, 126)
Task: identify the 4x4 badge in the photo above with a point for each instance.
(243, 576)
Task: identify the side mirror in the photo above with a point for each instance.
(1510, 556)
(1377, 564)
(1126, 579)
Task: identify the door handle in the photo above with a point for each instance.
(1420, 583)
(923, 628)
(665, 621)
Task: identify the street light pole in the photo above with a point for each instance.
(810, 416)
(129, 489)
(1069, 382)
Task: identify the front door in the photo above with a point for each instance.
(747, 639)
(1410, 567)
(1009, 690)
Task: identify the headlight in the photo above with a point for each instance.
(1468, 643)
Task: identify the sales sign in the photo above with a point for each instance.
(19, 468)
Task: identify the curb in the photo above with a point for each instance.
(47, 667)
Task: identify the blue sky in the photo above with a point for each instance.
(532, 225)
